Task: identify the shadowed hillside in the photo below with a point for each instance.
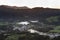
(25, 13)
(12, 12)
(43, 20)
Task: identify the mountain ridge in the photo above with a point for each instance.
(37, 12)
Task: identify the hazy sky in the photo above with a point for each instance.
(32, 3)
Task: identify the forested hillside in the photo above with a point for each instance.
(41, 19)
(25, 13)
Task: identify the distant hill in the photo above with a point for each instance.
(25, 13)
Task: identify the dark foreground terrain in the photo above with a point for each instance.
(45, 22)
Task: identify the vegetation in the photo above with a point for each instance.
(27, 36)
(49, 21)
(56, 29)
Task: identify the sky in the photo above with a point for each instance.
(32, 3)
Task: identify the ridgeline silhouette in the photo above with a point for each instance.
(25, 13)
